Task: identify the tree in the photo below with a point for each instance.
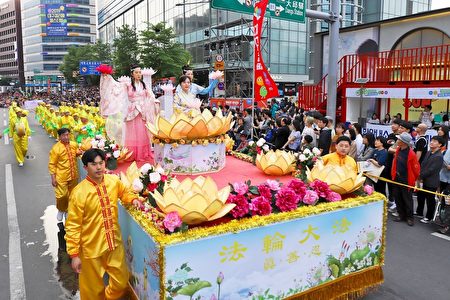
(159, 50)
(126, 50)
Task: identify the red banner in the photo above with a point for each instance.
(264, 86)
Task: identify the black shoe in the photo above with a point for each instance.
(410, 222)
(444, 229)
(398, 219)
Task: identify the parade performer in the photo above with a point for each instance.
(62, 165)
(86, 129)
(340, 157)
(184, 101)
(93, 233)
(131, 101)
(20, 131)
(197, 89)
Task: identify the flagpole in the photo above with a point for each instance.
(253, 81)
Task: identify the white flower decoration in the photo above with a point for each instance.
(160, 170)
(137, 185)
(101, 144)
(266, 147)
(251, 143)
(116, 153)
(302, 157)
(155, 177)
(316, 151)
(306, 151)
(145, 168)
(260, 142)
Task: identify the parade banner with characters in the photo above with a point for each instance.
(264, 86)
(385, 130)
(283, 258)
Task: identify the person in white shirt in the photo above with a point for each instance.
(359, 139)
(427, 116)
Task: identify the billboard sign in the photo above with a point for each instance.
(56, 19)
(89, 67)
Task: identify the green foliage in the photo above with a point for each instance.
(126, 50)
(191, 289)
(159, 50)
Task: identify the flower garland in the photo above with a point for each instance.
(205, 142)
(242, 156)
(273, 197)
(305, 159)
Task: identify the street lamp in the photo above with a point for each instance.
(184, 16)
(361, 81)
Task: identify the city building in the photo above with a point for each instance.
(11, 60)
(49, 28)
(210, 33)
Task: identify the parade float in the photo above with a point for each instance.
(193, 239)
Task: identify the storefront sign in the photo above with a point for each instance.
(429, 93)
(376, 92)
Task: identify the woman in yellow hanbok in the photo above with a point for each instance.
(20, 133)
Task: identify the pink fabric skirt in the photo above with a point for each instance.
(137, 139)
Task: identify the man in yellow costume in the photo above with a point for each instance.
(62, 165)
(340, 157)
(93, 235)
(20, 132)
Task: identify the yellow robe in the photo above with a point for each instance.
(20, 143)
(336, 159)
(93, 234)
(63, 164)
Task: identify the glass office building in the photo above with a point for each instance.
(44, 53)
(207, 33)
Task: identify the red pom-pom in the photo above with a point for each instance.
(105, 69)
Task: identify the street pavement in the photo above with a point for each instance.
(417, 263)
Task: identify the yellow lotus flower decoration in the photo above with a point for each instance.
(125, 154)
(196, 201)
(276, 163)
(181, 126)
(229, 143)
(341, 179)
(130, 175)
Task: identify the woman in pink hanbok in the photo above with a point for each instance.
(128, 104)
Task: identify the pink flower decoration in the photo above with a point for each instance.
(320, 187)
(333, 197)
(240, 188)
(298, 186)
(287, 199)
(242, 207)
(172, 221)
(264, 191)
(368, 189)
(273, 184)
(260, 206)
(310, 197)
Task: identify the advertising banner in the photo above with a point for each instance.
(56, 19)
(385, 130)
(376, 92)
(264, 86)
(429, 93)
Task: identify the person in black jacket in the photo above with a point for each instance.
(429, 176)
(324, 142)
(282, 134)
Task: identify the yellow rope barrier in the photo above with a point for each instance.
(405, 185)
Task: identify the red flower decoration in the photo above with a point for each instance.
(264, 191)
(260, 206)
(321, 188)
(152, 186)
(163, 178)
(298, 186)
(286, 199)
(105, 69)
(241, 208)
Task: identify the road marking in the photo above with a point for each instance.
(442, 236)
(16, 278)
(6, 139)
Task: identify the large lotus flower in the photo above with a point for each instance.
(276, 163)
(131, 174)
(125, 154)
(341, 179)
(180, 126)
(196, 201)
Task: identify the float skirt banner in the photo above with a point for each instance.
(56, 19)
(142, 256)
(282, 259)
(264, 86)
